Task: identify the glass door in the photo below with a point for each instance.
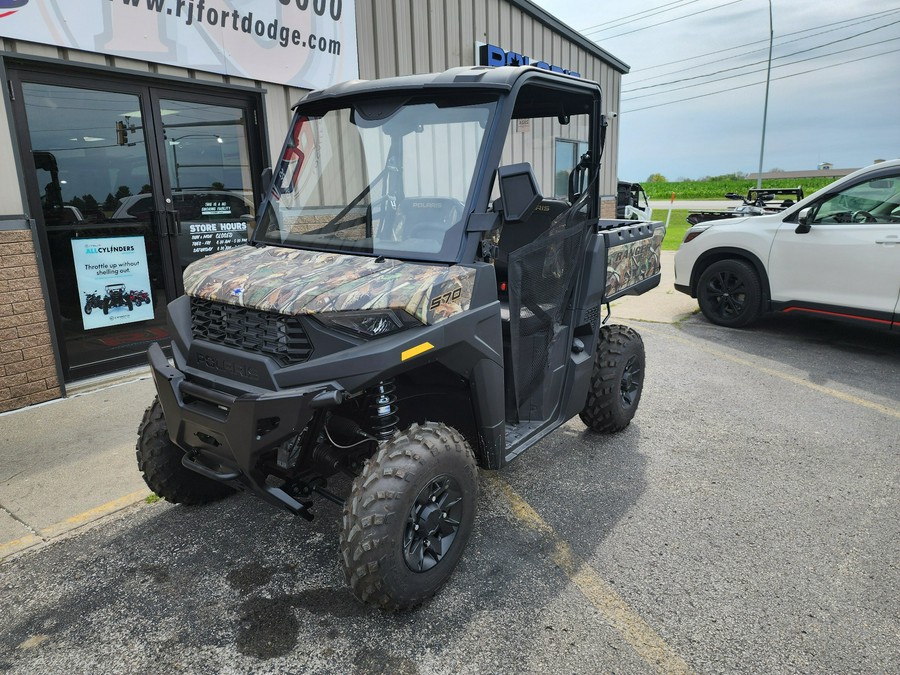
(129, 183)
(207, 155)
(107, 270)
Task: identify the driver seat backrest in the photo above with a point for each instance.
(516, 235)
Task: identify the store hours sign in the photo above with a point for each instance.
(302, 43)
(113, 280)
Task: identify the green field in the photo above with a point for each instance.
(716, 189)
(677, 225)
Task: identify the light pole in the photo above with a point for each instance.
(762, 145)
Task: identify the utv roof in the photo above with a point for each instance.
(469, 78)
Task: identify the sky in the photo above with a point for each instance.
(838, 101)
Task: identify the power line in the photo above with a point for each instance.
(877, 15)
(617, 23)
(677, 18)
(756, 63)
(754, 51)
(753, 84)
(759, 70)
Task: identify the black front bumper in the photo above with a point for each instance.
(232, 433)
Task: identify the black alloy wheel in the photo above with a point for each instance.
(432, 523)
(729, 293)
(632, 380)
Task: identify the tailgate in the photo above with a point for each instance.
(633, 256)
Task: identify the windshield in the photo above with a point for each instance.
(387, 178)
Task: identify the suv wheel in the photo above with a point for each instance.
(159, 460)
(617, 380)
(409, 516)
(730, 293)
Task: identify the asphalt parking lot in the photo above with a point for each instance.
(746, 521)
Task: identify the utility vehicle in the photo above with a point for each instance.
(409, 307)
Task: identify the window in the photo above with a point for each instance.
(568, 153)
(874, 201)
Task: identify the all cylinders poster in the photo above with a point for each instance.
(113, 280)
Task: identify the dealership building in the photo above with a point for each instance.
(134, 134)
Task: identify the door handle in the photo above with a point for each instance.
(172, 225)
(891, 240)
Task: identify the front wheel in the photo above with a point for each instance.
(409, 517)
(730, 294)
(87, 308)
(159, 460)
(617, 380)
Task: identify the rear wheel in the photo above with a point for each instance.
(409, 517)
(159, 460)
(617, 380)
(730, 294)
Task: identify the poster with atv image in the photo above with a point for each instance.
(113, 280)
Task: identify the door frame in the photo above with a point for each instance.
(148, 88)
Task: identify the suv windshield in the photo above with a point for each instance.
(386, 178)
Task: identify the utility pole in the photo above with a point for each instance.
(762, 145)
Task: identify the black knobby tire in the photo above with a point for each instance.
(730, 294)
(106, 306)
(617, 380)
(409, 516)
(87, 309)
(130, 305)
(159, 460)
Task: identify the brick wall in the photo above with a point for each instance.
(607, 207)
(27, 364)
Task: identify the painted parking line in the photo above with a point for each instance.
(71, 523)
(624, 620)
(829, 391)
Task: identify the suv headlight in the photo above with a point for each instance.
(694, 232)
(369, 323)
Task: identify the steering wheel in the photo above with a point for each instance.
(862, 217)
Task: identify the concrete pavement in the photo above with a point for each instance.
(67, 464)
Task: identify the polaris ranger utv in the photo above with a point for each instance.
(409, 307)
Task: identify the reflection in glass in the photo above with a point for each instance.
(90, 158)
(209, 170)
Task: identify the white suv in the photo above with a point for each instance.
(835, 253)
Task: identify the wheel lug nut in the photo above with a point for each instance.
(415, 527)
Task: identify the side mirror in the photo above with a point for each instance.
(519, 191)
(578, 179)
(803, 222)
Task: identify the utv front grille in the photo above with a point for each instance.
(281, 337)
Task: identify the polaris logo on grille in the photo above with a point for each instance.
(223, 365)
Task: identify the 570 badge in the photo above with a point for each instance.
(449, 296)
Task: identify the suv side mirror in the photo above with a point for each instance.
(519, 191)
(803, 225)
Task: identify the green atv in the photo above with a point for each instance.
(409, 307)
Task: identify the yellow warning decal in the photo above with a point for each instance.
(415, 351)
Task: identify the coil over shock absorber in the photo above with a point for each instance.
(383, 410)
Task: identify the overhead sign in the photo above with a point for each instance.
(302, 43)
(113, 280)
(492, 55)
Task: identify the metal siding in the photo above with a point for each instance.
(421, 43)
(365, 40)
(403, 38)
(452, 53)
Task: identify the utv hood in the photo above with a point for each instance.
(289, 281)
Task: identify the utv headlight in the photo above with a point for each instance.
(369, 323)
